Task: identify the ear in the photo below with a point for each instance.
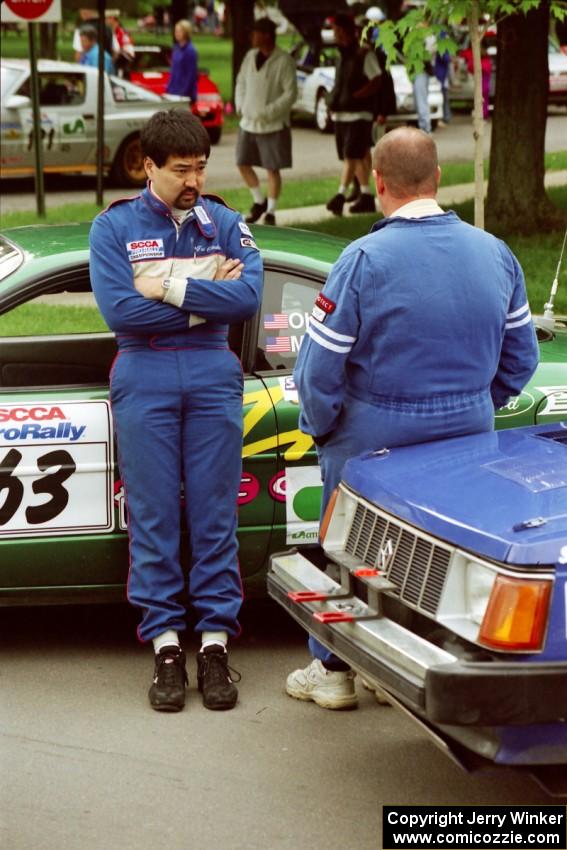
(149, 166)
(379, 182)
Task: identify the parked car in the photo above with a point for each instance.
(63, 516)
(151, 69)
(447, 589)
(68, 105)
(461, 81)
(316, 78)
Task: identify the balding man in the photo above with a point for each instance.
(422, 329)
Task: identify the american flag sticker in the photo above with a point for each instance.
(276, 321)
(278, 343)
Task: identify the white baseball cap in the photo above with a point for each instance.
(375, 13)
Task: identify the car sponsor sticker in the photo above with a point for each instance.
(56, 466)
(555, 402)
(289, 390)
(303, 490)
(249, 488)
(145, 249)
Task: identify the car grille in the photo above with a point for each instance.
(418, 566)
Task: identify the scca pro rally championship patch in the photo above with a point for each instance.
(323, 308)
(145, 249)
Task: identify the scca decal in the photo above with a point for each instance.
(21, 414)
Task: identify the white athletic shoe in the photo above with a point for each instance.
(327, 688)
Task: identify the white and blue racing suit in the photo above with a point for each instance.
(422, 329)
(176, 395)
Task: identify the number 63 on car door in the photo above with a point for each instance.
(56, 467)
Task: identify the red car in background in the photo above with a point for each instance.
(151, 69)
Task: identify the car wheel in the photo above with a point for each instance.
(128, 166)
(322, 116)
(214, 134)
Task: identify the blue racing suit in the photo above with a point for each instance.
(423, 328)
(176, 394)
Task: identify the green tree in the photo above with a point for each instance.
(517, 201)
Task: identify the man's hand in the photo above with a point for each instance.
(229, 270)
(150, 287)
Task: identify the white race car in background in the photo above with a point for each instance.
(316, 78)
(68, 107)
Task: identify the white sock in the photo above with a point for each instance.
(210, 638)
(168, 638)
(272, 202)
(257, 194)
(365, 189)
(342, 189)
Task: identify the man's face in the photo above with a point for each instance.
(343, 37)
(180, 181)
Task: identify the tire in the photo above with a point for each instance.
(215, 134)
(322, 117)
(127, 168)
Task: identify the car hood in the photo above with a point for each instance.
(502, 495)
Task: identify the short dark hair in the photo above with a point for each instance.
(175, 133)
(345, 22)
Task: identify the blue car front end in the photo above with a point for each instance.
(444, 582)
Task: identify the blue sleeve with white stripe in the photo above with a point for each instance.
(332, 331)
(520, 352)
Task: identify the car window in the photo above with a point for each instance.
(61, 89)
(52, 314)
(286, 307)
(151, 60)
(123, 91)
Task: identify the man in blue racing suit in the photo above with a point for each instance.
(170, 269)
(422, 329)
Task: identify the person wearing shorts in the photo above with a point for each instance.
(352, 103)
(265, 91)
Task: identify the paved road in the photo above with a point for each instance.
(314, 155)
(86, 764)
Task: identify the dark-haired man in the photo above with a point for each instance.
(170, 269)
(424, 328)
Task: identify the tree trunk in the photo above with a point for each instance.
(478, 121)
(517, 202)
(242, 18)
(48, 41)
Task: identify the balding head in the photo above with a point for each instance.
(405, 160)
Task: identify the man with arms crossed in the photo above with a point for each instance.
(170, 269)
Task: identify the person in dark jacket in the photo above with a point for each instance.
(184, 61)
(352, 103)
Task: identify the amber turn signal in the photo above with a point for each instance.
(328, 514)
(516, 615)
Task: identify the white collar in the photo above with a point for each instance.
(419, 209)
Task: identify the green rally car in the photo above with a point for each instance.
(63, 517)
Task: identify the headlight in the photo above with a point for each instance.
(478, 586)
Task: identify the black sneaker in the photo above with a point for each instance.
(336, 204)
(269, 218)
(365, 204)
(167, 692)
(354, 193)
(214, 680)
(256, 210)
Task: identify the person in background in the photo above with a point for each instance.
(266, 89)
(442, 70)
(171, 269)
(352, 102)
(420, 84)
(89, 17)
(472, 344)
(184, 61)
(124, 54)
(89, 46)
